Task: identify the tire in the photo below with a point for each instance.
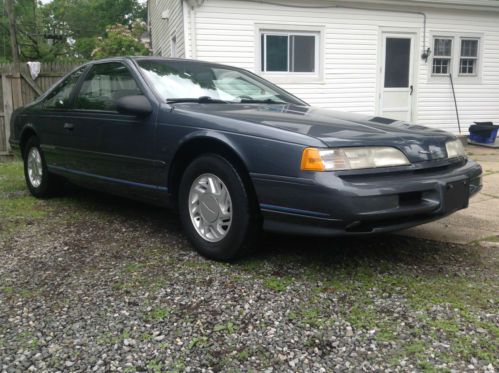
(40, 182)
(219, 227)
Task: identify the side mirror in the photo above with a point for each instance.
(134, 105)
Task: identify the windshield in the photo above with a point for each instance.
(179, 81)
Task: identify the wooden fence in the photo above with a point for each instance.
(14, 94)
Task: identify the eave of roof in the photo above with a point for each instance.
(473, 5)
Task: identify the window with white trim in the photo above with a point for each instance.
(442, 56)
(458, 55)
(469, 56)
(289, 52)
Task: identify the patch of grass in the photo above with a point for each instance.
(24, 293)
(426, 366)
(278, 284)
(178, 366)
(416, 347)
(158, 313)
(196, 264)
(243, 355)
(197, 341)
(28, 340)
(228, 327)
(491, 239)
(23, 207)
(11, 177)
(155, 366)
(7, 290)
(134, 267)
(448, 326)
(108, 339)
(309, 316)
(251, 264)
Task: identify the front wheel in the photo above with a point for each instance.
(40, 182)
(216, 209)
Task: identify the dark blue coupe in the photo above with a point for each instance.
(234, 154)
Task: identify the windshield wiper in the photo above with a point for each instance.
(254, 101)
(200, 100)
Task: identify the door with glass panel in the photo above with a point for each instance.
(396, 72)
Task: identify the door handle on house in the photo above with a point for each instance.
(69, 126)
(412, 89)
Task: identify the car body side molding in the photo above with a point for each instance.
(106, 178)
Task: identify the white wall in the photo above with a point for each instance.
(225, 33)
(162, 30)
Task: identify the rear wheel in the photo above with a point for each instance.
(216, 210)
(40, 182)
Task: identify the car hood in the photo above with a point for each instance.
(335, 128)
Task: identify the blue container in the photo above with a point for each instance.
(484, 139)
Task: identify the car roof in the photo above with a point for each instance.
(156, 58)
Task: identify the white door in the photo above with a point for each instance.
(397, 76)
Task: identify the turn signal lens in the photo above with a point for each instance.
(311, 160)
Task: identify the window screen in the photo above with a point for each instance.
(397, 62)
(288, 53)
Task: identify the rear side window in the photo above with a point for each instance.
(60, 96)
(104, 84)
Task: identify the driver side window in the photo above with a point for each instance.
(104, 84)
(59, 98)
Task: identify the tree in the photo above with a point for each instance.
(65, 29)
(119, 41)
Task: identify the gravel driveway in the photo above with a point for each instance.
(90, 282)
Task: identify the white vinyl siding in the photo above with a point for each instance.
(227, 31)
(164, 30)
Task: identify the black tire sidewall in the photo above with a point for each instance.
(234, 243)
(43, 189)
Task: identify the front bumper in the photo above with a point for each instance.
(374, 201)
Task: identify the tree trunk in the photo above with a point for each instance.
(16, 67)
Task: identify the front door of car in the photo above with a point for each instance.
(50, 119)
(396, 72)
(111, 146)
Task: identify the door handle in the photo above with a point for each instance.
(69, 126)
(412, 89)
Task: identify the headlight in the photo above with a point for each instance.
(455, 149)
(314, 159)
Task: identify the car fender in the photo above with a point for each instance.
(208, 134)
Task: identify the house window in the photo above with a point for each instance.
(469, 56)
(289, 52)
(442, 56)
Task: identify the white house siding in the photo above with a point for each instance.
(225, 32)
(162, 30)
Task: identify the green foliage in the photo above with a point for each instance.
(278, 284)
(119, 41)
(70, 30)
